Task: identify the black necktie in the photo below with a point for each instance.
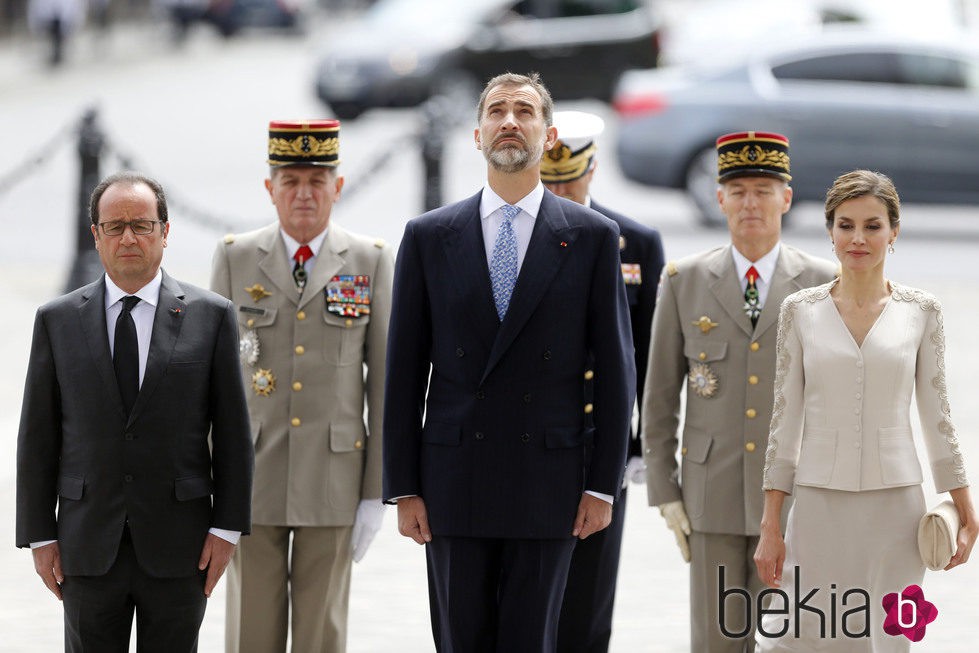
(125, 354)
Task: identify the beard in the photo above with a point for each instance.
(511, 158)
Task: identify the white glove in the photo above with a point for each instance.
(370, 514)
(635, 471)
(676, 521)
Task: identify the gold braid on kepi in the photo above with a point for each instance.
(560, 164)
(753, 154)
(573, 155)
(304, 142)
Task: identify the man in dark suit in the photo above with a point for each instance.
(126, 502)
(567, 170)
(499, 303)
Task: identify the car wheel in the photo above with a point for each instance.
(702, 188)
(460, 90)
(347, 110)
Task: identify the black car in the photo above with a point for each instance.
(404, 51)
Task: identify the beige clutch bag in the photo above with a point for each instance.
(938, 531)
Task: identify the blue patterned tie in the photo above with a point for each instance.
(503, 262)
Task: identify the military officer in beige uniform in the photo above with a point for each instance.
(313, 302)
(714, 333)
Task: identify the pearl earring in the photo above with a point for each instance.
(890, 247)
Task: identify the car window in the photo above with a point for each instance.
(570, 8)
(933, 70)
(848, 67)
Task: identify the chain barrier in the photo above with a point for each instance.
(33, 162)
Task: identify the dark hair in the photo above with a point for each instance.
(861, 183)
(513, 79)
(131, 178)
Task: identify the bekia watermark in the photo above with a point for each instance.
(847, 615)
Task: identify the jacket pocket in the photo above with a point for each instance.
(566, 437)
(192, 487)
(694, 470)
(71, 487)
(444, 434)
(346, 437)
(817, 456)
(251, 317)
(704, 351)
(343, 341)
(898, 458)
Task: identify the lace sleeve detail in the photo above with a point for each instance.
(928, 302)
(783, 360)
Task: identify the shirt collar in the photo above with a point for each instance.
(530, 203)
(292, 245)
(765, 266)
(150, 293)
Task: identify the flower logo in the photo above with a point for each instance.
(908, 613)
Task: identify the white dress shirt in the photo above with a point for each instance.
(523, 225)
(292, 246)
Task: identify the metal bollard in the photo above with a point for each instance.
(87, 266)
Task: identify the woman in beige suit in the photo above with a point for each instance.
(850, 352)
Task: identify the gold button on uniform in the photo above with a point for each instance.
(589, 408)
(301, 315)
(297, 386)
(749, 447)
(349, 323)
(589, 375)
(300, 350)
(702, 356)
(753, 380)
(250, 322)
(358, 445)
(755, 346)
(750, 413)
(296, 421)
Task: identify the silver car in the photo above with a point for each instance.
(846, 99)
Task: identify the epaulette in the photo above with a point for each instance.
(671, 268)
(229, 238)
(379, 243)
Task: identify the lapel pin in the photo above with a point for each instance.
(176, 311)
(563, 244)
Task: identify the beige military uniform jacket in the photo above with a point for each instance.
(703, 340)
(315, 372)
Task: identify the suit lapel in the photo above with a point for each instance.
(91, 312)
(274, 264)
(784, 283)
(465, 251)
(170, 314)
(726, 288)
(328, 262)
(550, 244)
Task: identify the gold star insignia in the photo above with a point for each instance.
(263, 382)
(258, 292)
(705, 324)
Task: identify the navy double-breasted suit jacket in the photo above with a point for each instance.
(486, 420)
(178, 464)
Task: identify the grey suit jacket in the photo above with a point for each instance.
(315, 458)
(85, 468)
(702, 339)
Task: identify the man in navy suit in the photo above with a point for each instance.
(567, 170)
(500, 301)
(134, 456)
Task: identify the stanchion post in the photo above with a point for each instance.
(86, 267)
(435, 124)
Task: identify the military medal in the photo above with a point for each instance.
(257, 291)
(705, 324)
(248, 348)
(348, 295)
(263, 382)
(702, 380)
(631, 274)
